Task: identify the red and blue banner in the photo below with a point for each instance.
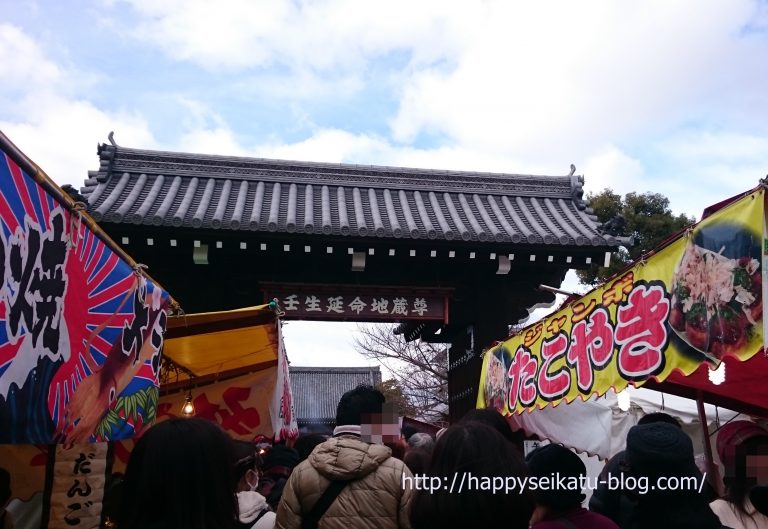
(81, 328)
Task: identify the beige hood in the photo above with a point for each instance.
(346, 457)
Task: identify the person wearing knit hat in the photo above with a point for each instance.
(253, 509)
(281, 456)
(560, 507)
(743, 450)
(660, 449)
(733, 435)
(278, 465)
(660, 454)
(613, 502)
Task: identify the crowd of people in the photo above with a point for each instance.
(188, 473)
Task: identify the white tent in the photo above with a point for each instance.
(599, 426)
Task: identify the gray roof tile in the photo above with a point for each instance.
(317, 390)
(202, 191)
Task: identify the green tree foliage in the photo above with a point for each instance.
(647, 219)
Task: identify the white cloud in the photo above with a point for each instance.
(555, 80)
(217, 140)
(212, 135)
(328, 145)
(508, 87)
(53, 127)
(531, 81)
(708, 147)
(299, 85)
(239, 34)
(23, 63)
(699, 168)
(612, 168)
(61, 139)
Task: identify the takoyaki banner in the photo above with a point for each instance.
(696, 300)
(81, 329)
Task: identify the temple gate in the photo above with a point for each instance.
(455, 257)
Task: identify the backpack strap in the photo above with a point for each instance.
(260, 516)
(330, 494)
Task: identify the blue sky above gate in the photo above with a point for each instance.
(662, 96)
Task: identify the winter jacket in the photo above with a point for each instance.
(374, 498)
(251, 505)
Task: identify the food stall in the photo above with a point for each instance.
(686, 319)
(93, 351)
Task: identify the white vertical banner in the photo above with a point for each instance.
(281, 406)
(79, 475)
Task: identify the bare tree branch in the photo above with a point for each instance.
(419, 368)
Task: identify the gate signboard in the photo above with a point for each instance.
(351, 302)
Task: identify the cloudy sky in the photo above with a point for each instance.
(668, 96)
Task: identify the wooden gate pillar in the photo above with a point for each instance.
(465, 360)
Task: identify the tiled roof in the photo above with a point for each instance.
(317, 390)
(203, 191)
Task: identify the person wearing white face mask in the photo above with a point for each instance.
(253, 508)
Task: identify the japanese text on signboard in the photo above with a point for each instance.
(698, 299)
(360, 306)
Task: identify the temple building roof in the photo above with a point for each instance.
(317, 390)
(322, 199)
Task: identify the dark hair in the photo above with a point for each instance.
(496, 420)
(407, 431)
(737, 483)
(480, 450)
(281, 456)
(278, 465)
(247, 458)
(358, 402)
(5, 486)
(659, 416)
(417, 460)
(181, 475)
(306, 443)
(552, 459)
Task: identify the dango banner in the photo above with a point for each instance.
(81, 328)
(697, 299)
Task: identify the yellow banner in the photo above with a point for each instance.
(696, 300)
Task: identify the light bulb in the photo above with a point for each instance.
(717, 376)
(188, 409)
(624, 400)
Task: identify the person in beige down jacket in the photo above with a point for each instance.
(374, 496)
